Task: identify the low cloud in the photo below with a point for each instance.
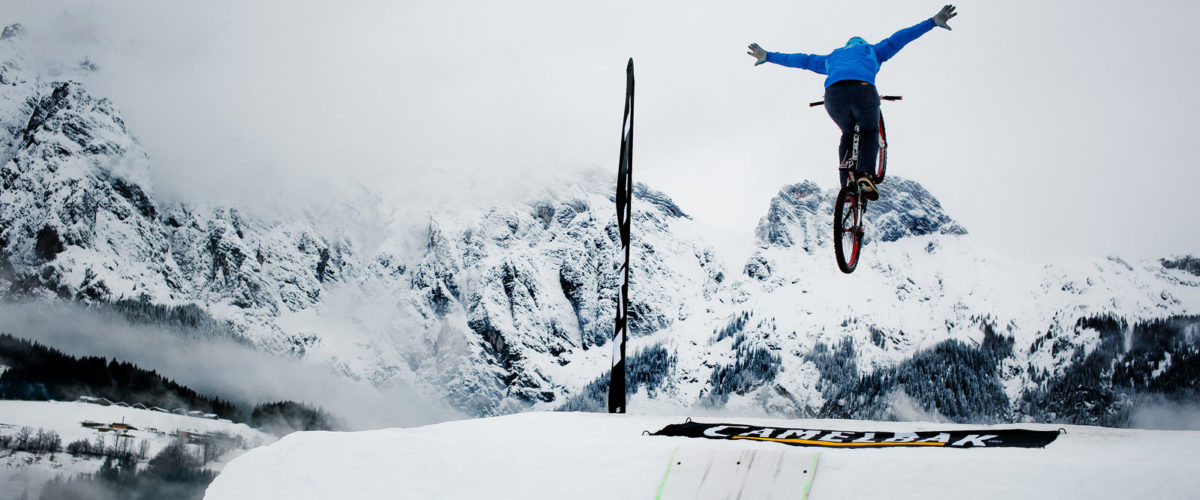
(221, 368)
(283, 103)
(1172, 416)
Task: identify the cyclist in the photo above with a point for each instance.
(850, 94)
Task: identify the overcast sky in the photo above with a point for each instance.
(1050, 129)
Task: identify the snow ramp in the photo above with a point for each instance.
(605, 456)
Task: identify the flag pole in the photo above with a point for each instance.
(616, 386)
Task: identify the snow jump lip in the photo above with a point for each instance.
(989, 438)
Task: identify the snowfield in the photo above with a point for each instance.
(601, 456)
(65, 418)
(24, 472)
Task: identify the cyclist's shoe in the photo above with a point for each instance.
(868, 188)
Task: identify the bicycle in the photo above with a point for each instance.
(848, 210)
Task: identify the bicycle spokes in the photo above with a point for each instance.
(851, 227)
(848, 228)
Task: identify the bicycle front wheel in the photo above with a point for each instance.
(847, 228)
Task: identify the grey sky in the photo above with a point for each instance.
(1049, 129)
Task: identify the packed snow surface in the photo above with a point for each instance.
(583, 455)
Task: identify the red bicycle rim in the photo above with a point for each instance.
(852, 203)
(857, 234)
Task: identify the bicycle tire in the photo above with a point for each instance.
(881, 166)
(847, 232)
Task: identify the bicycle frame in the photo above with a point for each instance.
(850, 223)
(849, 165)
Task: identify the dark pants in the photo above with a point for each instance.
(851, 102)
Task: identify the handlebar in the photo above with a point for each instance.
(884, 97)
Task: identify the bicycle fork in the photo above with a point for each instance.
(860, 210)
(850, 165)
(858, 215)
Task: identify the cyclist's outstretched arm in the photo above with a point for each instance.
(889, 47)
(810, 62)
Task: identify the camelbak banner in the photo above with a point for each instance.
(989, 438)
(616, 386)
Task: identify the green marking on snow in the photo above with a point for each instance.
(668, 474)
(813, 475)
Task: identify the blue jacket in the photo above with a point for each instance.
(853, 62)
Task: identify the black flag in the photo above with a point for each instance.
(616, 386)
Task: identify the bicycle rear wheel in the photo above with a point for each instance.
(881, 165)
(847, 228)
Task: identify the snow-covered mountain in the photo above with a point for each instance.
(511, 308)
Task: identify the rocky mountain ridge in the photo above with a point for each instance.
(504, 310)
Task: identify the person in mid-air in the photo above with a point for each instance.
(850, 95)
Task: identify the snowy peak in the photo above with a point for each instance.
(801, 215)
(1186, 263)
(536, 285)
(658, 200)
(11, 31)
(17, 90)
(905, 208)
(74, 191)
(14, 67)
(794, 218)
(72, 131)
